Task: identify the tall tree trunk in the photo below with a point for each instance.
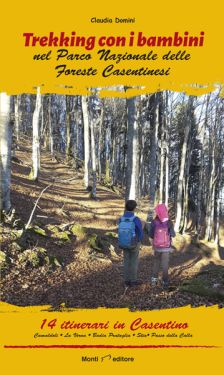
(162, 148)
(153, 151)
(86, 141)
(133, 150)
(43, 127)
(17, 118)
(215, 139)
(36, 138)
(218, 193)
(154, 101)
(68, 128)
(100, 146)
(217, 225)
(124, 158)
(51, 139)
(166, 146)
(142, 164)
(201, 185)
(93, 157)
(107, 155)
(114, 160)
(185, 211)
(5, 152)
(184, 219)
(210, 201)
(167, 175)
(182, 166)
(162, 163)
(76, 134)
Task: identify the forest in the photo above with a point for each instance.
(68, 163)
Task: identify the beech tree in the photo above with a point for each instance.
(50, 127)
(86, 141)
(5, 151)
(133, 150)
(93, 157)
(182, 175)
(36, 137)
(17, 116)
(68, 127)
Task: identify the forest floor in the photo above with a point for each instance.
(70, 258)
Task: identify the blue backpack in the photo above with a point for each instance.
(126, 233)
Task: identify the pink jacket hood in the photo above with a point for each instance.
(162, 212)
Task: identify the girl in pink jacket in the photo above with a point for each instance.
(161, 231)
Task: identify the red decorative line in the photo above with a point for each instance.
(105, 346)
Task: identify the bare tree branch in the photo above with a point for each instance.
(35, 206)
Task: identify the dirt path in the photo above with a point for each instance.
(85, 280)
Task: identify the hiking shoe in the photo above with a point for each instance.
(165, 285)
(136, 283)
(154, 281)
(127, 283)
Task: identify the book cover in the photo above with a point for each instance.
(100, 105)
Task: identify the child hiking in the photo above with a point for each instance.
(130, 235)
(161, 231)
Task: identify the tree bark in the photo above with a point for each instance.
(133, 150)
(36, 138)
(5, 152)
(93, 157)
(86, 141)
(210, 202)
(68, 128)
(166, 146)
(202, 172)
(51, 138)
(17, 118)
(100, 146)
(153, 156)
(182, 166)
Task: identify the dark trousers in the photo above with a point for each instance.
(161, 259)
(131, 263)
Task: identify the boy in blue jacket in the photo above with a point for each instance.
(131, 224)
